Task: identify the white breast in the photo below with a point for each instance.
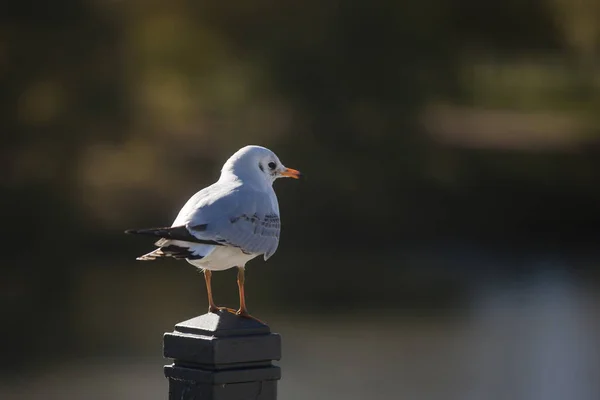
(222, 258)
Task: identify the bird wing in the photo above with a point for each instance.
(238, 216)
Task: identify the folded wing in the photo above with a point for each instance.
(220, 216)
(247, 219)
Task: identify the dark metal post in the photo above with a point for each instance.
(220, 356)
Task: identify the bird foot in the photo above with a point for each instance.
(245, 314)
(215, 309)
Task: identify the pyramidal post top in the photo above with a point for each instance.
(222, 324)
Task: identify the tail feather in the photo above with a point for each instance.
(176, 242)
(153, 255)
(178, 251)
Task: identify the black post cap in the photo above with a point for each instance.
(221, 356)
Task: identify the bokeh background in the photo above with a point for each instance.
(444, 245)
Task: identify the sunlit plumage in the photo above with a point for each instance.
(228, 223)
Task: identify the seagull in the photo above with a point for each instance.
(228, 223)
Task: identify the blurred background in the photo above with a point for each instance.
(442, 247)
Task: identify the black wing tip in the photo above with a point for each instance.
(141, 231)
(174, 233)
(147, 231)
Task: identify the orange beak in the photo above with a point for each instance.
(291, 173)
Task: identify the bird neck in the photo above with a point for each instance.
(246, 177)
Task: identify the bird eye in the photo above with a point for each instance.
(271, 165)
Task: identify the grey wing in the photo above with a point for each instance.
(246, 219)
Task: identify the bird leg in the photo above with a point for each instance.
(243, 311)
(211, 303)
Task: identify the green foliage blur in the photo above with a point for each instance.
(422, 127)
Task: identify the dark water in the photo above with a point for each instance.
(534, 339)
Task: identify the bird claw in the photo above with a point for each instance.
(216, 310)
(245, 314)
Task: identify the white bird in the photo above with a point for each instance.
(228, 223)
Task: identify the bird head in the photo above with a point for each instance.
(258, 163)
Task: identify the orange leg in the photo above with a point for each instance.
(243, 311)
(211, 303)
